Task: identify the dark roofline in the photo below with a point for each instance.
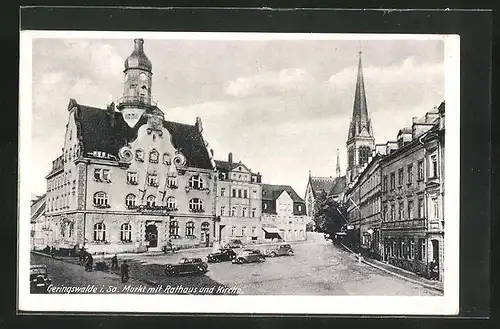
(415, 141)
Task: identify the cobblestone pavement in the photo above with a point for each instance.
(317, 268)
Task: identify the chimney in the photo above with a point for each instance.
(138, 45)
(199, 125)
(230, 157)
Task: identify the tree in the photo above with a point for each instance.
(329, 215)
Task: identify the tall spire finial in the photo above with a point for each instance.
(338, 164)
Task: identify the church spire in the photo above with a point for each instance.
(338, 164)
(360, 122)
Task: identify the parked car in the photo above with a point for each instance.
(249, 256)
(39, 279)
(279, 250)
(233, 244)
(187, 266)
(221, 255)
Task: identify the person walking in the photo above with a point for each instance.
(124, 271)
(114, 262)
(90, 263)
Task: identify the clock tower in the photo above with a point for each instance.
(136, 97)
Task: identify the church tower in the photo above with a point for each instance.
(337, 169)
(137, 85)
(360, 140)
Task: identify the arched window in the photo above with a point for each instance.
(99, 232)
(151, 201)
(196, 205)
(153, 156)
(174, 229)
(130, 200)
(101, 199)
(196, 182)
(126, 232)
(189, 229)
(171, 202)
(351, 157)
(364, 154)
(205, 226)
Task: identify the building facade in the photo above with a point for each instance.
(413, 195)
(40, 227)
(238, 201)
(283, 214)
(128, 180)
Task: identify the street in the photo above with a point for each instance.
(317, 268)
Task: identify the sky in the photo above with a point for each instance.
(282, 107)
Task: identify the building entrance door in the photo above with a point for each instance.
(205, 234)
(152, 235)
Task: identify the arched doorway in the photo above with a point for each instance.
(152, 235)
(205, 234)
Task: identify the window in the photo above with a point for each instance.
(126, 232)
(101, 175)
(393, 248)
(233, 230)
(299, 208)
(173, 228)
(421, 247)
(384, 213)
(409, 176)
(421, 208)
(401, 248)
(265, 205)
(393, 212)
(153, 180)
(172, 181)
(350, 154)
(153, 156)
(99, 232)
(393, 181)
(411, 251)
(130, 200)
(233, 211)
(401, 211)
(101, 199)
(400, 177)
(243, 230)
(196, 182)
(189, 229)
(254, 212)
(410, 209)
(239, 193)
(171, 203)
(384, 184)
(234, 193)
(364, 154)
(151, 201)
(222, 191)
(434, 166)
(245, 194)
(196, 205)
(244, 212)
(139, 155)
(420, 170)
(435, 208)
(222, 210)
(132, 178)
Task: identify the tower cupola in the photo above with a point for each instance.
(138, 59)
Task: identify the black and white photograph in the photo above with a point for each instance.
(239, 172)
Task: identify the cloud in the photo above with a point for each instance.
(269, 82)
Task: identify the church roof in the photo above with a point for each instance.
(106, 131)
(338, 186)
(321, 184)
(360, 122)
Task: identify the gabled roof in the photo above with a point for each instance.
(106, 131)
(272, 192)
(228, 166)
(321, 184)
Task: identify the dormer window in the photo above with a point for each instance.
(166, 158)
(153, 156)
(139, 155)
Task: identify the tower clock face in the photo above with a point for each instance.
(143, 77)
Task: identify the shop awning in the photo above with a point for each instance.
(271, 230)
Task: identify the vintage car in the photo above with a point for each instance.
(233, 244)
(279, 250)
(39, 280)
(221, 255)
(249, 256)
(187, 266)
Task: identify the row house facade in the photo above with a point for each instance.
(283, 214)
(128, 180)
(238, 201)
(413, 196)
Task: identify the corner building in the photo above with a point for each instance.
(127, 179)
